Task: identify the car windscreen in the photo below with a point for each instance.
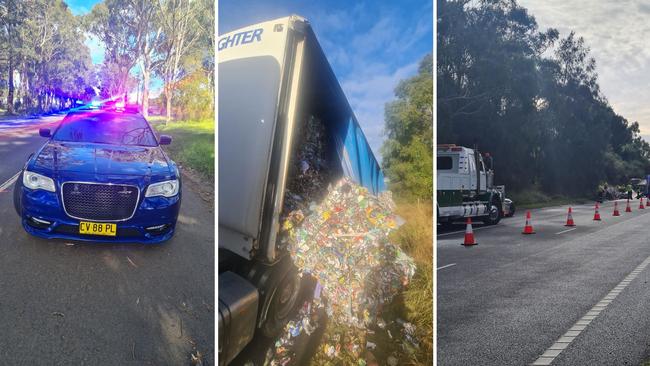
(106, 128)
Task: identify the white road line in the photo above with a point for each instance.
(449, 265)
(463, 231)
(567, 230)
(8, 183)
(565, 340)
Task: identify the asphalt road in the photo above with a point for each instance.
(65, 303)
(562, 294)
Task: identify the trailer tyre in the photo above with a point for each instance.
(282, 304)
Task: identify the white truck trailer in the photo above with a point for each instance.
(273, 77)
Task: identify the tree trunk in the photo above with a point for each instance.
(168, 99)
(10, 95)
(145, 91)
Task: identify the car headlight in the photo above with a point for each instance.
(33, 180)
(168, 188)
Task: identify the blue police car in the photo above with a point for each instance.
(101, 176)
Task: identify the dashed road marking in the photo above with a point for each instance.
(448, 265)
(567, 230)
(8, 183)
(463, 231)
(563, 342)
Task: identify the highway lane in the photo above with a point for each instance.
(510, 298)
(77, 303)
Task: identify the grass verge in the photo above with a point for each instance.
(192, 145)
(415, 237)
(535, 198)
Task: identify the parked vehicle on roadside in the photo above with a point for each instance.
(102, 176)
(465, 187)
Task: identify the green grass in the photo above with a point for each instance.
(192, 145)
(535, 198)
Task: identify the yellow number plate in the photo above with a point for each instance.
(97, 228)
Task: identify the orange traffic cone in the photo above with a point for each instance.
(628, 208)
(616, 213)
(528, 229)
(641, 204)
(569, 219)
(469, 234)
(596, 213)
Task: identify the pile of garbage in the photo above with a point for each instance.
(337, 233)
(308, 170)
(343, 243)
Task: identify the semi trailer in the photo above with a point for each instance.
(273, 77)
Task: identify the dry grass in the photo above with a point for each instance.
(416, 238)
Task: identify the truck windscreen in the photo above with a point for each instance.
(248, 97)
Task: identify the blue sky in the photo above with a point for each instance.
(80, 7)
(371, 45)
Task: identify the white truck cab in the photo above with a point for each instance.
(465, 186)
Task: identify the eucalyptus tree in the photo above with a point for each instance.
(179, 20)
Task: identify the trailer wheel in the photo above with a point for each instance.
(282, 303)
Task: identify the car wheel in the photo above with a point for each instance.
(18, 190)
(282, 304)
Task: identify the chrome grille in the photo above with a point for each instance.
(99, 202)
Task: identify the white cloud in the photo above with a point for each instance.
(617, 33)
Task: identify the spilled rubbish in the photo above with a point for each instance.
(342, 242)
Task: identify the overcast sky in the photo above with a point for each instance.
(618, 33)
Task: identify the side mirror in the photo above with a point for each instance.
(44, 132)
(165, 140)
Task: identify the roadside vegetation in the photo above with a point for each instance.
(46, 65)
(416, 238)
(534, 197)
(530, 97)
(192, 145)
(408, 163)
